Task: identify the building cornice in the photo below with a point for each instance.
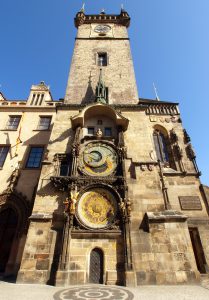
(20, 108)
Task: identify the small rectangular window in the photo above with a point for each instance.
(102, 59)
(64, 168)
(44, 123)
(107, 94)
(91, 130)
(3, 154)
(13, 122)
(35, 157)
(108, 131)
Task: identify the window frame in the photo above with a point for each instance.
(39, 123)
(9, 127)
(161, 147)
(64, 168)
(91, 127)
(29, 154)
(3, 161)
(108, 128)
(102, 62)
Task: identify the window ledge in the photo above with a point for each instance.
(8, 129)
(41, 129)
(46, 162)
(29, 169)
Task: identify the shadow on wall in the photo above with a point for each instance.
(89, 96)
(58, 227)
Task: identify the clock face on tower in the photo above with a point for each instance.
(97, 208)
(102, 29)
(98, 159)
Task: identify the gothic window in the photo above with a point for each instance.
(35, 157)
(13, 122)
(44, 122)
(102, 59)
(161, 146)
(3, 154)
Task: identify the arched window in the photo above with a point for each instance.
(161, 146)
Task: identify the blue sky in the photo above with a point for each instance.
(170, 46)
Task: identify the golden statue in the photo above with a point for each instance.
(74, 196)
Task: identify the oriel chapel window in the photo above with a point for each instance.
(161, 146)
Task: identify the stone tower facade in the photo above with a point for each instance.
(96, 45)
(117, 198)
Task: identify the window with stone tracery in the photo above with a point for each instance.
(161, 146)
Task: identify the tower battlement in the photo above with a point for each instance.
(122, 19)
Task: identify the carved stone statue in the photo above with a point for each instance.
(74, 196)
(99, 133)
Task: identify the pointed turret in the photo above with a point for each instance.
(101, 91)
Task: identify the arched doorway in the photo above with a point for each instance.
(96, 268)
(8, 227)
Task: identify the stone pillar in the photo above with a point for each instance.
(172, 248)
(38, 252)
(165, 254)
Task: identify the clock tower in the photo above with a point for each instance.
(102, 42)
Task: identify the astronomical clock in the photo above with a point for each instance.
(97, 207)
(98, 159)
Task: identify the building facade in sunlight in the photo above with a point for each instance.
(102, 186)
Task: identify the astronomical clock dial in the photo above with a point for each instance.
(97, 209)
(98, 159)
(102, 29)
